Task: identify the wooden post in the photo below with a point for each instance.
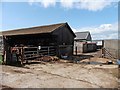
(48, 50)
(4, 57)
(76, 50)
(103, 52)
(22, 54)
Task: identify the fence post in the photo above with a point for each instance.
(48, 51)
(22, 52)
(76, 50)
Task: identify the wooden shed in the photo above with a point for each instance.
(55, 39)
(83, 36)
(83, 43)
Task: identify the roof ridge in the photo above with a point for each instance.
(34, 27)
(37, 29)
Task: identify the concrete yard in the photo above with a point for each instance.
(59, 75)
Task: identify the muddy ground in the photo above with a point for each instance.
(59, 75)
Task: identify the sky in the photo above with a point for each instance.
(100, 17)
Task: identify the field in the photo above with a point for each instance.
(59, 75)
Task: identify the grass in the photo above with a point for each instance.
(0, 59)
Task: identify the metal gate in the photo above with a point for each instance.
(31, 53)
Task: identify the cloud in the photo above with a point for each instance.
(91, 5)
(44, 3)
(47, 3)
(112, 35)
(67, 3)
(15, 0)
(104, 31)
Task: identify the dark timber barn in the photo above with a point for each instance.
(56, 39)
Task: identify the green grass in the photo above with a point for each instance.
(0, 59)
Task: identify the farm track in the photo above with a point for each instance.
(60, 75)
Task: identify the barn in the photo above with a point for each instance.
(83, 43)
(55, 39)
(83, 36)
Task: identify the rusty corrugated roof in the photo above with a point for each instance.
(33, 30)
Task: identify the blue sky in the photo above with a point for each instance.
(100, 18)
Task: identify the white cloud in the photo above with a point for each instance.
(47, 3)
(44, 3)
(101, 28)
(91, 5)
(67, 3)
(14, 0)
(104, 31)
(105, 36)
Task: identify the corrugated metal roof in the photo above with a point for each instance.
(82, 35)
(33, 30)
